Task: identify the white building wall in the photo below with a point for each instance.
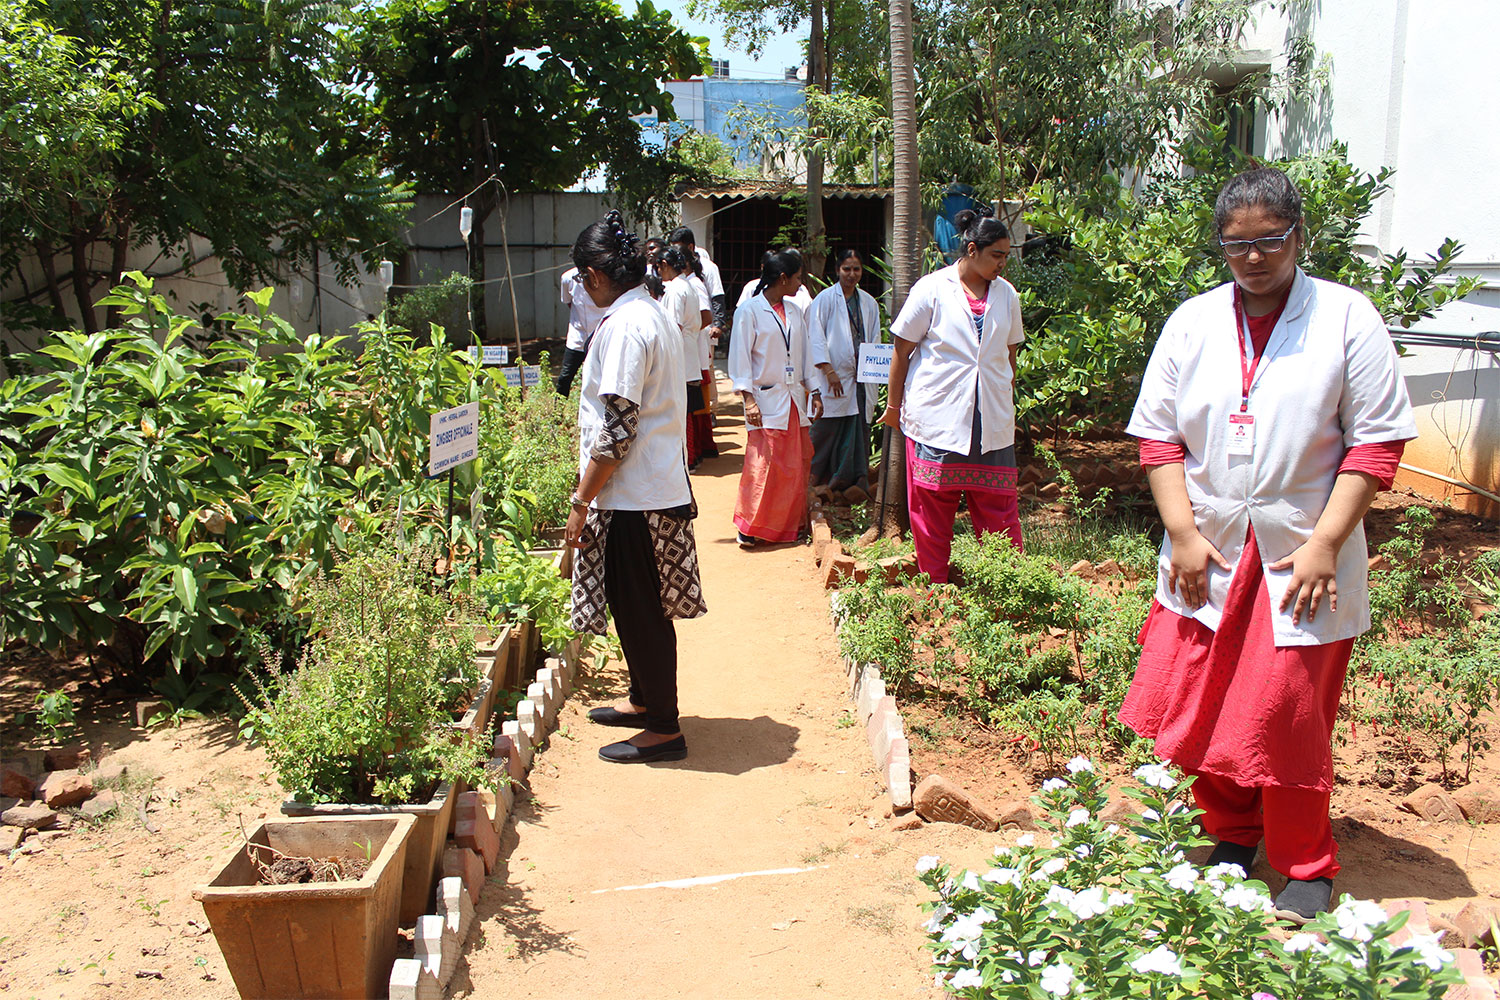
(1412, 86)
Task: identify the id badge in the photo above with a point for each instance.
(1241, 434)
(791, 374)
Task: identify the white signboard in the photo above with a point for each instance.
(525, 376)
(874, 364)
(453, 438)
(494, 354)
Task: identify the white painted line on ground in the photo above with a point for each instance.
(689, 883)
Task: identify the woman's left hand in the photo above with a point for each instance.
(815, 407)
(576, 518)
(1312, 566)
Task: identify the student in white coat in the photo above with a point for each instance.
(843, 317)
(950, 393)
(771, 371)
(631, 517)
(583, 317)
(686, 307)
(1270, 414)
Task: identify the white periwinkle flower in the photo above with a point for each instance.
(970, 882)
(927, 863)
(1060, 895)
(1077, 817)
(1035, 958)
(1242, 897)
(1356, 916)
(1428, 952)
(1004, 876)
(1058, 979)
(1182, 877)
(1088, 903)
(1299, 943)
(1026, 840)
(1155, 775)
(1054, 785)
(1083, 850)
(1161, 960)
(939, 915)
(1218, 872)
(1118, 898)
(1054, 865)
(1080, 764)
(1150, 815)
(1112, 829)
(965, 978)
(1002, 852)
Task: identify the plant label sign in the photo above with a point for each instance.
(453, 438)
(874, 364)
(491, 354)
(523, 375)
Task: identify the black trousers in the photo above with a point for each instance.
(647, 636)
(572, 361)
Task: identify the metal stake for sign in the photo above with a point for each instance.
(451, 549)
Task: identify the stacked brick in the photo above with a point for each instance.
(473, 853)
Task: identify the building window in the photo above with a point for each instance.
(719, 69)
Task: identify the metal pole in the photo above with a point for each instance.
(450, 524)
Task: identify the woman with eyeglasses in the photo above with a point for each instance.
(950, 393)
(1270, 414)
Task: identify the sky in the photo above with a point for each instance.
(780, 52)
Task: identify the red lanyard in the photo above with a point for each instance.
(1247, 364)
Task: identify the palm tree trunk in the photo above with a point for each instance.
(814, 250)
(905, 262)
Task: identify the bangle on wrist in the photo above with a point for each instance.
(576, 501)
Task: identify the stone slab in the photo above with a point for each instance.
(1433, 803)
(29, 816)
(939, 800)
(1480, 802)
(60, 789)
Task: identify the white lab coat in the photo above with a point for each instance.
(681, 303)
(702, 354)
(802, 297)
(830, 338)
(583, 315)
(637, 355)
(951, 365)
(758, 355)
(711, 277)
(1328, 381)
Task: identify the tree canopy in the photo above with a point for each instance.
(152, 121)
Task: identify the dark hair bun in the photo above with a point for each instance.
(614, 251)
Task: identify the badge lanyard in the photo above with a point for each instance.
(1248, 363)
(786, 336)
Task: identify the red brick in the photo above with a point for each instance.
(64, 788)
(939, 800)
(466, 864)
(822, 535)
(1434, 804)
(475, 831)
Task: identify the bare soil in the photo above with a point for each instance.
(763, 865)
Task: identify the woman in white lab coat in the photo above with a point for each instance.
(685, 305)
(843, 317)
(1270, 414)
(950, 393)
(781, 390)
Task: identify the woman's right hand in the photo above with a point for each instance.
(891, 417)
(752, 413)
(1188, 574)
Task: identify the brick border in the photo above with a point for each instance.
(885, 730)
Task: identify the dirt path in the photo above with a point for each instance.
(772, 783)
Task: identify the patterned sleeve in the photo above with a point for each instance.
(621, 422)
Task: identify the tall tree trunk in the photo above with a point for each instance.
(45, 254)
(119, 251)
(83, 285)
(905, 259)
(814, 248)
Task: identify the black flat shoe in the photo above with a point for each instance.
(609, 716)
(745, 541)
(1303, 899)
(1227, 853)
(626, 752)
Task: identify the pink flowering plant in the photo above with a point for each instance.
(1112, 912)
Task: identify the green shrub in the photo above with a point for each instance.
(365, 717)
(517, 586)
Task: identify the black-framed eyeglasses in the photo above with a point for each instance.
(1264, 245)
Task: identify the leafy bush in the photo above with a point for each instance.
(1109, 913)
(439, 303)
(1119, 267)
(163, 499)
(517, 586)
(531, 445)
(365, 717)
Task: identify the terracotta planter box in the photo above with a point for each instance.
(332, 939)
(424, 848)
